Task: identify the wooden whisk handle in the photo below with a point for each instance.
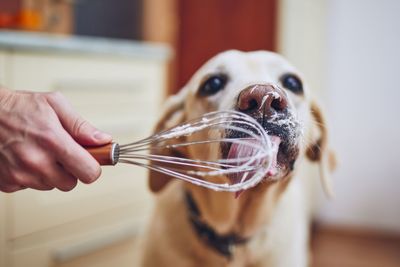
(105, 155)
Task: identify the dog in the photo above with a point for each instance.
(267, 225)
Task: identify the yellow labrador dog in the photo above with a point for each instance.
(268, 225)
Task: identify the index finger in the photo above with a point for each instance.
(74, 158)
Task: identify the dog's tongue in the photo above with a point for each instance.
(243, 150)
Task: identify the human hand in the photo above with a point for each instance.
(41, 139)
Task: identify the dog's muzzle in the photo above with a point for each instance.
(269, 105)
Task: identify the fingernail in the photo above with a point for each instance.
(101, 136)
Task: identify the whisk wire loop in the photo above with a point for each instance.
(218, 134)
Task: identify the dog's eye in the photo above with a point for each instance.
(292, 83)
(213, 85)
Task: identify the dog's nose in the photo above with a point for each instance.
(266, 98)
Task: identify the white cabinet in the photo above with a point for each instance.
(120, 95)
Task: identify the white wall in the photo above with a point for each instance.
(363, 94)
(349, 51)
(302, 38)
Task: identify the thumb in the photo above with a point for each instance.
(85, 133)
(80, 129)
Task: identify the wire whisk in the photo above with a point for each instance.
(223, 151)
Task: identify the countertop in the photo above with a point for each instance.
(30, 41)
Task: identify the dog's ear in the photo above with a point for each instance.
(173, 114)
(319, 151)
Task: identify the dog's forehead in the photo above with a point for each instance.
(249, 65)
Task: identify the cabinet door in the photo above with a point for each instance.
(117, 95)
(71, 242)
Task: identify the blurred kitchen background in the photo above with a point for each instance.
(116, 60)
